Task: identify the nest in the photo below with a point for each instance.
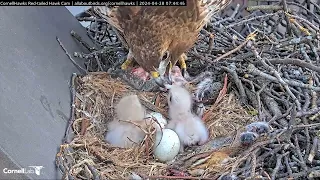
(270, 54)
(95, 97)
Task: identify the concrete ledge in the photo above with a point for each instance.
(8, 163)
(34, 86)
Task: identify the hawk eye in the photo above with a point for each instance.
(165, 55)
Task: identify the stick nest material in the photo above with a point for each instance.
(96, 96)
(270, 53)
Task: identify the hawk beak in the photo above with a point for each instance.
(164, 74)
(163, 67)
(160, 76)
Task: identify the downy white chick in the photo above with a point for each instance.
(189, 127)
(126, 134)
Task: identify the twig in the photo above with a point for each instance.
(73, 106)
(94, 172)
(253, 70)
(304, 20)
(72, 60)
(285, 9)
(175, 177)
(277, 74)
(307, 113)
(306, 125)
(84, 125)
(313, 149)
(236, 11)
(302, 162)
(253, 163)
(264, 7)
(79, 39)
(293, 61)
(241, 22)
(286, 160)
(243, 96)
(98, 62)
(276, 169)
(229, 53)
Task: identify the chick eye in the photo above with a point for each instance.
(165, 56)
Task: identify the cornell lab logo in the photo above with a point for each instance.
(37, 169)
(31, 170)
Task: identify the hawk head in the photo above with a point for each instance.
(151, 51)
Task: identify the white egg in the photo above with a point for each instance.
(160, 119)
(168, 147)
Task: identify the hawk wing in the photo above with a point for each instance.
(211, 7)
(197, 10)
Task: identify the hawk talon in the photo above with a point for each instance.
(126, 64)
(154, 74)
(183, 64)
(128, 61)
(184, 72)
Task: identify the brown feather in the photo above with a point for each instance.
(150, 31)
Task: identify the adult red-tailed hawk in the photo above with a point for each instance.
(158, 36)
